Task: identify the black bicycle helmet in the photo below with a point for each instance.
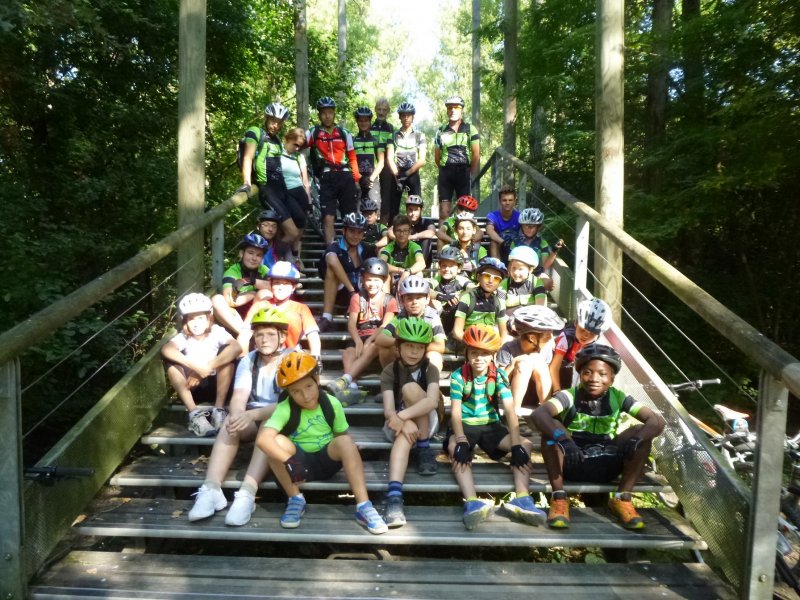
(406, 108)
(363, 111)
(375, 266)
(277, 110)
(369, 205)
(453, 254)
(414, 200)
(602, 352)
(326, 102)
(268, 215)
(354, 220)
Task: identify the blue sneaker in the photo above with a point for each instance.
(295, 509)
(476, 512)
(368, 517)
(524, 509)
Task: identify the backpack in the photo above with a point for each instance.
(294, 412)
(242, 148)
(492, 389)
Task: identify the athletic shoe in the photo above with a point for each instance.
(368, 517)
(476, 512)
(522, 508)
(295, 509)
(324, 324)
(199, 423)
(558, 517)
(426, 461)
(626, 513)
(394, 512)
(338, 386)
(242, 507)
(350, 396)
(218, 416)
(206, 503)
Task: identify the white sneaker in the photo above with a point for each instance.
(206, 503)
(199, 423)
(242, 507)
(218, 416)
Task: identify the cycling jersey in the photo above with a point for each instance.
(593, 418)
(382, 131)
(429, 315)
(422, 225)
(340, 249)
(243, 280)
(407, 147)
(401, 257)
(456, 145)
(268, 162)
(366, 147)
(333, 149)
(447, 290)
(538, 243)
(475, 306)
(374, 233)
(525, 293)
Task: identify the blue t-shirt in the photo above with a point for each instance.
(501, 225)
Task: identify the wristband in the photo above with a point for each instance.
(558, 433)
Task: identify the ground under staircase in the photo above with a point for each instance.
(135, 540)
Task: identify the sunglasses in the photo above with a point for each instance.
(489, 278)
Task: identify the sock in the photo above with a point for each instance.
(249, 488)
(212, 485)
(624, 496)
(361, 505)
(423, 443)
(523, 494)
(348, 379)
(559, 495)
(395, 488)
(300, 496)
(328, 316)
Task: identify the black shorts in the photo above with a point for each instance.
(337, 190)
(292, 204)
(604, 466)
(319, 466)
(453, 179)
(488, 437)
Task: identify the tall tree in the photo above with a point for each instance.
(658, 87)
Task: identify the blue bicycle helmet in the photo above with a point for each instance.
(254, 240)
(489, 262)
(406, 108)
(326, 102)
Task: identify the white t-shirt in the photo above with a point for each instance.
(203, 350)
(267, 390)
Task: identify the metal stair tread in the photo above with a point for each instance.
(430, 525)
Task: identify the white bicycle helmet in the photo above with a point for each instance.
(276, 110)
(454, 101)
(194, 303)
(594, 315)
(534, 318)
(415, 285)
(531, 216)
(524, 254)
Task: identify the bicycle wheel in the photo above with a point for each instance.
(787, 560)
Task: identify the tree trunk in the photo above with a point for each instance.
(476, 63)
(693, 61)
(342, 51)
(510, 9)
(301, 62)
(657, 87)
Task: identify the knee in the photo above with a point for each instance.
(412, 392)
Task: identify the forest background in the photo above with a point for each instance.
(88, 124)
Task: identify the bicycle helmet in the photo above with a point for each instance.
(375, 266)
(602, 352)
(534, 318)
(414, 284)
(489, 262)
(483, 337)
(414, 200)
(453, 254)
(594, 315)
(531, 216)
(294, 366)
(406, 108)
(468, 203)
(363, 111)
(354, 220)
(524, 254)
(271, 316)
(454, 100)
(268, 215)
(276, 110)
(465, 216)
(326, 102)
(369, 205)
(414, 329)
(194, 303)
(255, 240)
(284, 270)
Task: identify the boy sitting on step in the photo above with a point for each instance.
(375, 235)
(403, 256)
(471, 250)
(448, 284)
(482, 304)
(410, 389)
(255, 396)
(477, 389)
(522, 287)
(581, 441)
(306, 439)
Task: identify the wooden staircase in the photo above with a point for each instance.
(132, 541)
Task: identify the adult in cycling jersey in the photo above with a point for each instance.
(405, 156)
(457, 154)
(383, 131)
(335, 165)
(369, 153)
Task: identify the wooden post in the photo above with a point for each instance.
(191, 138)
(13, 583)
(522, 191)
(773, 401)
(510, 11)
(581, 258)
(609, 150)
(301, 62)
(217, 253)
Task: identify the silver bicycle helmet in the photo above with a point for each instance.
(414, 200)
(531, 216)
(369, 205)
(375, 266)
(415, 285)
(594, 315)
(453, 254)
(524, 254)
(194, 303)
(276, 110)
(454, 100)
(534, 318)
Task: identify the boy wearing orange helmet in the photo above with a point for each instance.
(477, 389)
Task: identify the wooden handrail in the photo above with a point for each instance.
(752, 343)
(29, 332)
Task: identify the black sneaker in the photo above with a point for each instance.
(426, 461)
(325, 324)
(394, 516)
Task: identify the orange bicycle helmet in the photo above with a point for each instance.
(483, 337)
(294, 366)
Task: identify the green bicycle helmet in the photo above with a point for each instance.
(414, 329)
(271, 316)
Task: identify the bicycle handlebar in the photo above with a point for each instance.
(692, 386)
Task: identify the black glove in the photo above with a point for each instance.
(630, 447)
(462, 455)
(442, 297)
(519, 456)
(573, 455)
(245, 188)
(297, 472)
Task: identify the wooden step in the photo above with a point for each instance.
(490, 477)
(429, 525)
(84, 575)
